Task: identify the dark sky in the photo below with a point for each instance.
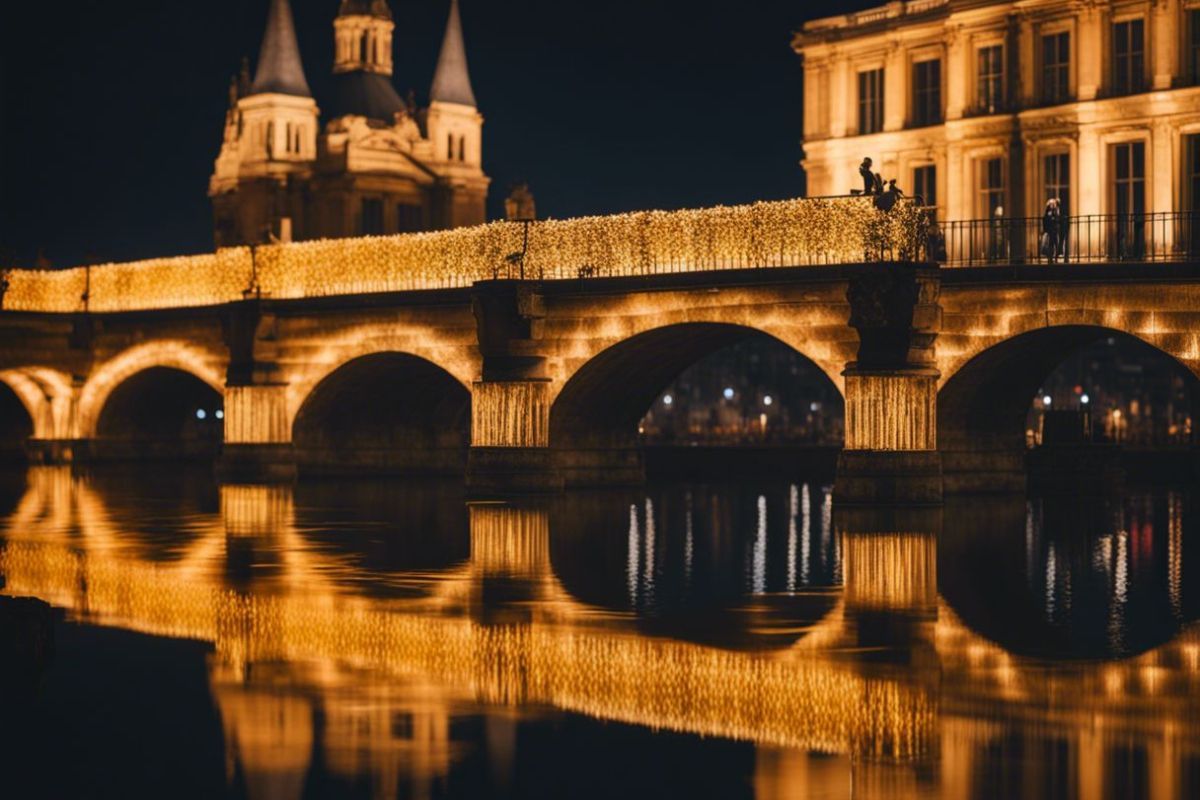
(113, 109)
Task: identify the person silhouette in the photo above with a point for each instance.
(868, 177)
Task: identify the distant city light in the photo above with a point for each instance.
(767, 400)
(667, 399)
(200, 413)
(1047, 400)
(728, 393)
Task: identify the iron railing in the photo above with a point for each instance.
(1094, 238)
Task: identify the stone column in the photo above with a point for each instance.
(258, 439)
(510, 405)
(890, 454)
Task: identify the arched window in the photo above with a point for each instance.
(462, 148)
(362, 49)
(450, 147)
(287, 147)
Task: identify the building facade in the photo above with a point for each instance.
(372, 163)
(988, 109)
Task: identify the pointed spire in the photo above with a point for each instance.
(279, 67)
(452, 82)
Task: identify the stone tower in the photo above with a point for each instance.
(270, 143)
(378, 164)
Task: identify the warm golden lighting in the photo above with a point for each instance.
(510, 414)
(891, 412)
(775, 234)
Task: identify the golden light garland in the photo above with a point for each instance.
(769, 234)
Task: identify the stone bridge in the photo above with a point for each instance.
(529, 384)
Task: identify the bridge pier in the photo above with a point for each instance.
(510, 406)
(890, 455)
(258, 442)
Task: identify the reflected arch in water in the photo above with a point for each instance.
(388, 411)
(594, 416)
(1070, 577)
(983, 404)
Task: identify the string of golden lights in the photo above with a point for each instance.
(767, 234)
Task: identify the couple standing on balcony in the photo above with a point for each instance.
(1053, 241)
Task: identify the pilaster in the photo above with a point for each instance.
(1088, 53)
(1164, 43)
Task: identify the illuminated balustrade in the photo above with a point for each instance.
(770, 234)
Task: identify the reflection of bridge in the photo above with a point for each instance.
(953, 696)
(397, 353)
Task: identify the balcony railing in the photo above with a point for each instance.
(1094, 238)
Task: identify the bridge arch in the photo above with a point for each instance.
(597, 408)
(204, 365)
(983, 403)
(18, 417)
(46, 396)
(387, 411)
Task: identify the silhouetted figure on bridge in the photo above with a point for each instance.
(1051, 230)
(864, 169)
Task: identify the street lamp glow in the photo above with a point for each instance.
(1047, 400)
(1085, 399)
(767, 400)
(219, 414)
(200, 413)
(728, 393)
(668, 399)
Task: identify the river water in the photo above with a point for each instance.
(386, 639)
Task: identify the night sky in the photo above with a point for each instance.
(113, 111)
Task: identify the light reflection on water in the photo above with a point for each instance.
(384, 639)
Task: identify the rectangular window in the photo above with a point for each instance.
(372, 216)
(1129, 178)
(990, 79)
(991, 187)
(1056, 68)
(927, 92)
(1189, 235)
(408, 218)
(1056, 180)
(1128, 56)
(1191, 178)
(1129, 200)
(870, 101)
(1193, 50)
(925, 184)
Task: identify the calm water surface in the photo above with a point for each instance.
(385, 639)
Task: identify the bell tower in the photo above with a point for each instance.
(362, 36)
(455, 129)
(270, 143)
